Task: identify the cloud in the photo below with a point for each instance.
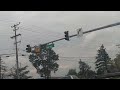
(42, 26)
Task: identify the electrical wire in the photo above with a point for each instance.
(76, 61)
(5, 49)
(39, 27)
(76, 57)
(7, 20)
(44, 35)
(29, 29)
(20, 41)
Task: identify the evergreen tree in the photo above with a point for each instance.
(23, 73)
(45, 62)
(102, 60)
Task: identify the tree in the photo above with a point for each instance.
(115, 67)
(117, 61)
(102, 60)
(85, 71)
(22, 73)
(112, 67)
(46, 59)
(72, 72)
(3, 69)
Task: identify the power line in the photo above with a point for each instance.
(39, 37)
(39, 27)
(48, 34)
(6, 21)
(4, 34)
(20, 41)
(76, 61)
(5, 49)
(77, 57)
(46, 31)
(6, 54)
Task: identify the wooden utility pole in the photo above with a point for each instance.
(14, 29)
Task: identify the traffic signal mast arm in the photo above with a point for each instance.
(96, 29)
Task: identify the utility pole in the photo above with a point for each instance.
(14, 29)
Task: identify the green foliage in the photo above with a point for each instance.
(115, 64)
(23, 73)
(72, 72)
(102, 60)
(47, 60)
(85, 71)
(117, 61)
(3, 70)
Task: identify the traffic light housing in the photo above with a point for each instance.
(66, 35)
(28, 49)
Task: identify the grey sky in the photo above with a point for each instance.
(42, 26)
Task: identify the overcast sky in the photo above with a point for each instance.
(39, 27)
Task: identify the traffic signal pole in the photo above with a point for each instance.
(96, 29)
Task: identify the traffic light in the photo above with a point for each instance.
(28, 49)
(66, 35)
